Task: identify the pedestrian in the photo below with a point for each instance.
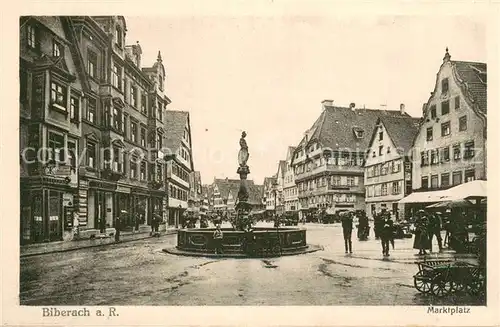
(118, 225)
(435, 230)
(421, 241)
(218, 240)
(347, 229)
(76, 226)
(386, 233)
(377, 220)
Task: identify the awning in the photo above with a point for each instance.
(452, 204)
(426, 197)
(470, 190)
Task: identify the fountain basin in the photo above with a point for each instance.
(266, 242)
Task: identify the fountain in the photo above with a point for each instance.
(242, 240)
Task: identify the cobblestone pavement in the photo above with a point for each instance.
(139, 273)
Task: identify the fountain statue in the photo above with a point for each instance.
(243, 221)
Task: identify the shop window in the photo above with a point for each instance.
(91, 110)
(462, 123)
(457, 178)
(429, 134)
(445, 129)
(425, 182)
(470, 175)
(445, 180)
(469, 150)
(58, 95)
(445, 107)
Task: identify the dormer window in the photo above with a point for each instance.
(358, 132)
(119, 36)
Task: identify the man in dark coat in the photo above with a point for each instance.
(386, 232)
(435, 230)
(347, 229)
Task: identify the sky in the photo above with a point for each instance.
(267, 75)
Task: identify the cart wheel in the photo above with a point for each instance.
(458, 286)
(441, 287)
(475, 287)
(422, 285)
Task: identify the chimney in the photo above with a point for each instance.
(326, 103)
(402, 108)
(352, 106)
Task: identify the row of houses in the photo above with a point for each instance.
(355, 158)
(96, 138)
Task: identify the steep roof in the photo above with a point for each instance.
(232, 186)
(226, 185)
(474, 75)
(254, 192)
(281, 168)
(175, 124)
(401, 130)
(336, 127)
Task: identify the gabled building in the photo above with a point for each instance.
(195, 199)
(329, 160)
(290, 197)
(53, 90)
(270, 193)
(450, 147)
(280, 183)
(387, 175)
(225, 195)
(178, 156)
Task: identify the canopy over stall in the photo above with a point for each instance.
(470, 190)
(426, 197)
(449, 204)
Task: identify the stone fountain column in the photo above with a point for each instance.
(243, 207)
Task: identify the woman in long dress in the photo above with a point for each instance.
(421, 241)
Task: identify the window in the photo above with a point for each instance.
(143, 170)
(56, 49)
(117, 119)
(445, 107)
(425, 182)
(434, 157)
(91, 64)
(159, 115)
(434, 181)
(133, 132)
(396, 189)
(91, 110)
(388, 149)
(396, 166)
(119, 36)
(117, 167)
(133, 96)
(462, 123)
(384, 169)
(56, 147)
(424, 155)
(457, 178)
(116, 76)
(445, 129)
(143, 102)
(72, 153)
(433, 111)
(456, 151)
(91, 155)
(380, 136)
(124, 125)
(445, 154)
(133, 169)
(58, 95)
(384, 189)
(159, 172)
(32, 34)
(143, 137)
(336, 180)
(429, 133)
(469, 175)
(377, 170)
(457, 102)
(444, 85)
(445, 180)
(350, 181)
(124, 160)
(469, 150)
(74, 108)
(380, 149)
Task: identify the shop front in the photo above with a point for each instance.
(140, 208)
(123, 201)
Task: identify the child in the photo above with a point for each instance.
(218, 240)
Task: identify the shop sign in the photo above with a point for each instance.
(122, 189)
(68, 217)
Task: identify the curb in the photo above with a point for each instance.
(93, 245)
(311, 248)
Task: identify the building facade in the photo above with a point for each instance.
(450, 147)
(328, 162)
(387, 175)
(290, 194)
(270, 194)
(178, 155)
(280, 186)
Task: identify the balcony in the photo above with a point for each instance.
(111, 175)
(324, 169)
(156, 185)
